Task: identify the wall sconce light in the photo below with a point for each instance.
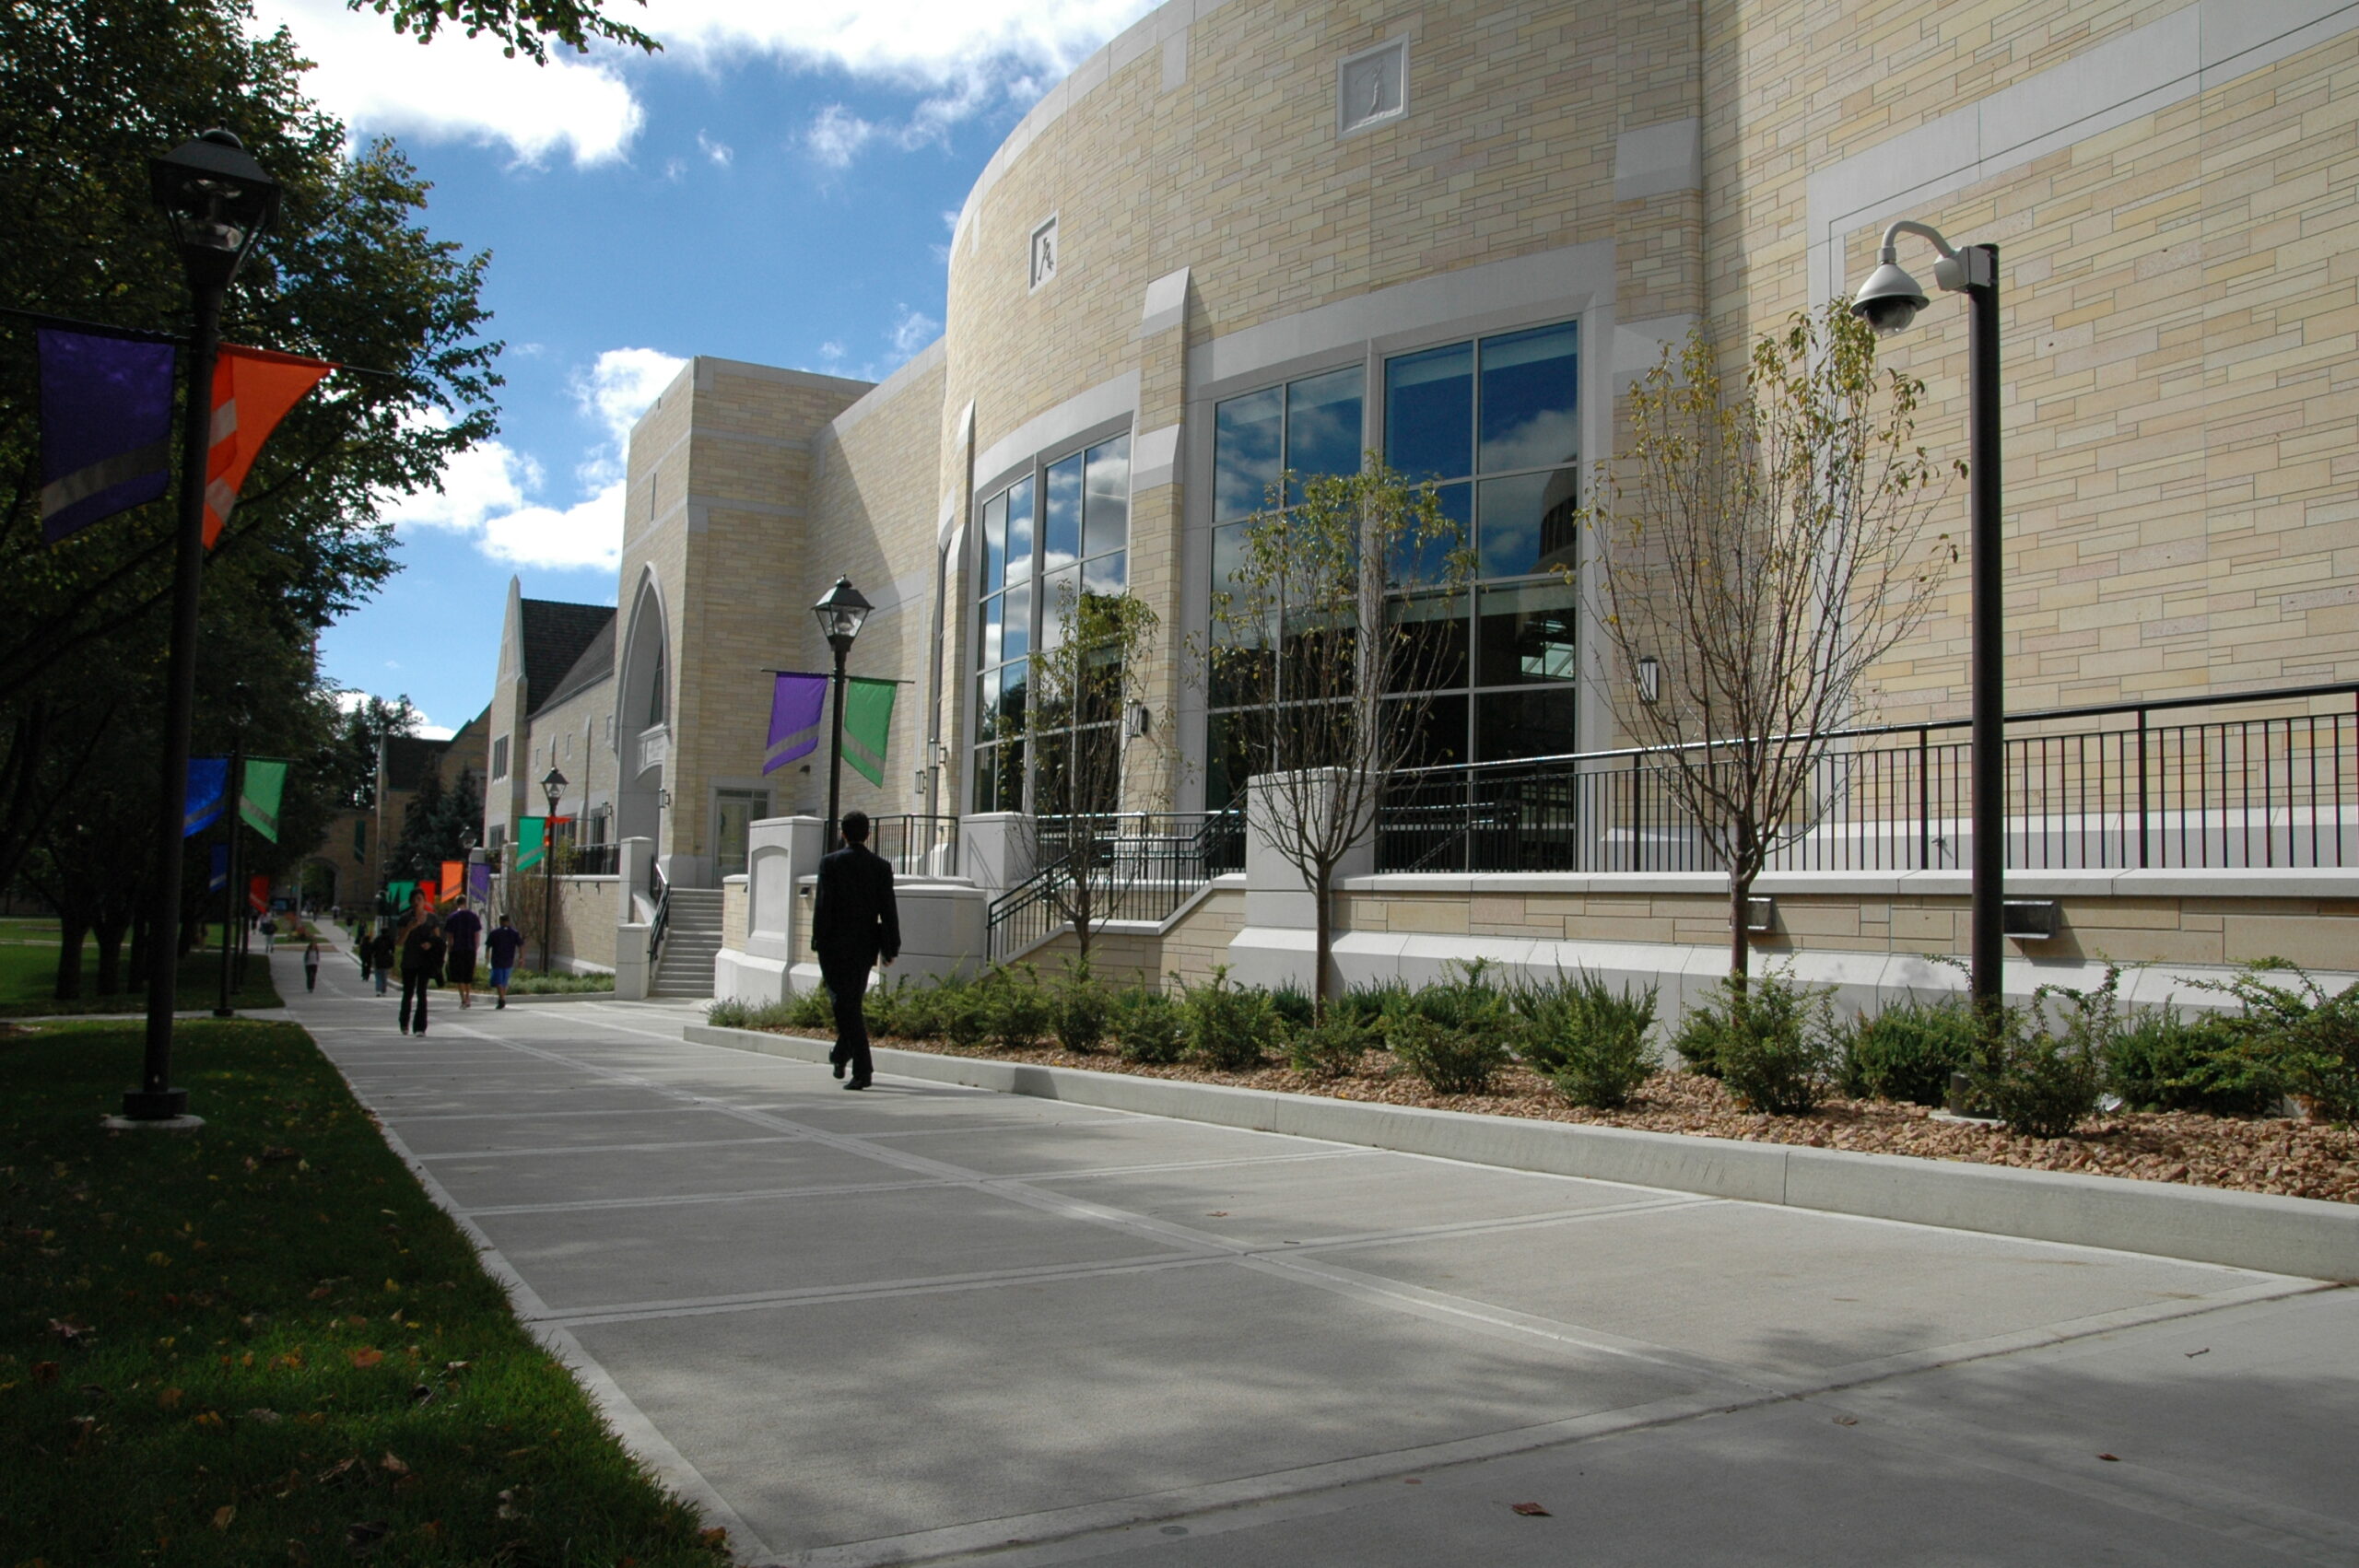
(1136, 720)
(1649, 679)
(663, 799)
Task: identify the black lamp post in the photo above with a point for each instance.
(1888, 301)
(553, 786)
(840, 614)
(219, 200)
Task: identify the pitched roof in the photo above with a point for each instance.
(555, 635)
(597, 664)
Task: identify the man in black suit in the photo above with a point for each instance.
(853, 925)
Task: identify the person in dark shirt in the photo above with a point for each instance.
(422, 952)
(464, 928)
(504, 942)
(854, 923)
(382, 951)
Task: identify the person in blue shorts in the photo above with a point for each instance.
(501, 947)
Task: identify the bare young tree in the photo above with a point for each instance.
(1764, 546)
(1085, 686)
(1332, 631)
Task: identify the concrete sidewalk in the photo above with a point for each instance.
(928, 1322)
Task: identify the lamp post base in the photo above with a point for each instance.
(161, 1105)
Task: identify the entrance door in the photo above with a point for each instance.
(738, 809)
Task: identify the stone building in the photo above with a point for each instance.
(1249, 235)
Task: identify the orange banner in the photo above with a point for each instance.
(252, 390)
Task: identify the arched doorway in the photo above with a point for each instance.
(642, 718)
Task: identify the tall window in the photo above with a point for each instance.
(1495, 423)
(1057, 533)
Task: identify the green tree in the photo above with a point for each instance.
(89, 90)
(1332, 632)
(1765, 545)
(521, 25)
(364, 728)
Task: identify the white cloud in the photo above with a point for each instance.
(426, 732)
(835, 137)
(491, 491)
(721, 153)
(912, 330)
(457, 88)
(961, 56)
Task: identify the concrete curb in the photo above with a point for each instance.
(2302, 1236)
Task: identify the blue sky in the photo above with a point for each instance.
(776, 186)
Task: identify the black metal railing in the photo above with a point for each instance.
(2258, 779)
(917, 844)
(1120, 866)
(659, 894)
(589, 859)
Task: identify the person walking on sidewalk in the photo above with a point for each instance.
(382, 951)
(854, 924)
(422, 952)
(310, 965)
(364, 947)
(465, 928)
(502, 945)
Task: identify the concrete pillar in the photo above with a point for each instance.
(996, 849)
(1278, 943)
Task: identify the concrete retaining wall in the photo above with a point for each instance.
(2283, 1235)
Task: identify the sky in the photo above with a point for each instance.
(777, 185)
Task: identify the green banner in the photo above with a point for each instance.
(265, 786)
(531, 841)
(868, 720)
(397, 894)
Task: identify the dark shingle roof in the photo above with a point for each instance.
(597, 664)
(555, 634)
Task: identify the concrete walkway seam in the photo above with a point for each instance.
(2310, 1238)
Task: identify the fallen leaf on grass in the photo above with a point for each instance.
(273, 1154)
(167, 1398)
(1532, 1510)
(224, 1515)
(207, 1418)
(265, 1416)
(2114, 1459)
(73, 1331)
(341, 1470)
(322, 1292)
(366, 1357)
(362, 1534)
(44, 1372)
(392, 1465)
(713, 1537)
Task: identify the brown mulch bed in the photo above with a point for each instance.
(2294, 1159)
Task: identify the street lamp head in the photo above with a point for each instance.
(553, 786)
(842, 613)
(219, 200)
(1890, 299)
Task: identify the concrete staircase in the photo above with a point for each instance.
(691, 939)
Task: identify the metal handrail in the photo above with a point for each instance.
(1138, 866)
(660, 892)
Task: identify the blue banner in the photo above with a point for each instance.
(106, 426)
(220, 877)
(208, 785)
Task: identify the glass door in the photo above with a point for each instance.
(738, 810)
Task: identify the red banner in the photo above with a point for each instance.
(252, 390)
(258, 894)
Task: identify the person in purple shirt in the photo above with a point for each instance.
(463, 927)
(504, 942)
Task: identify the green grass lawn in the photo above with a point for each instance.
(260, 1343)
(29, 975)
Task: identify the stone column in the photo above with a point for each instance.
(1279, 943)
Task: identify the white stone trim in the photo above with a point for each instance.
(1166, 305)
(1082, 412)
(1655, 159)
(1154, 458)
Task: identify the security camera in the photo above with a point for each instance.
(1889, 300)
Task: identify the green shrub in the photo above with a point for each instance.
(2041, 1081)
(1772, 1041)
(1293, 1007)
(1371, 1004)
(735, 1015)
(1085, 1011)
(1333, 1047)
(1468, 1004)
(1147, 1027)
(2159, 1062)
(1019, 1012)
(1908, 1051)
(1589, 1040)
(2310, 1039)
(1451, 1063)
(1227, 1026)
(966, 1011)
(814, 1008)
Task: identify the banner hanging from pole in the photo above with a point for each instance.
(868, 721)
(220, 877)
(106, 426)
(797, 705)
(397, 894)
(252, 390)
(258, 894)
(208, 781)
(454, 878)
(479, 881)
(531, 841)
(265, 788)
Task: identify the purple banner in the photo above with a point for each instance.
(106, 426)
(479, 882)
(796, 703)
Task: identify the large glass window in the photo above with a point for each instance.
(1493, 423)
(1053, 535)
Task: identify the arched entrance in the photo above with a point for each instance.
(642, 718)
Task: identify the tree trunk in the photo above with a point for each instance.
(1739, 940)
(1323, 923)
(111, 977)
(70, 932)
